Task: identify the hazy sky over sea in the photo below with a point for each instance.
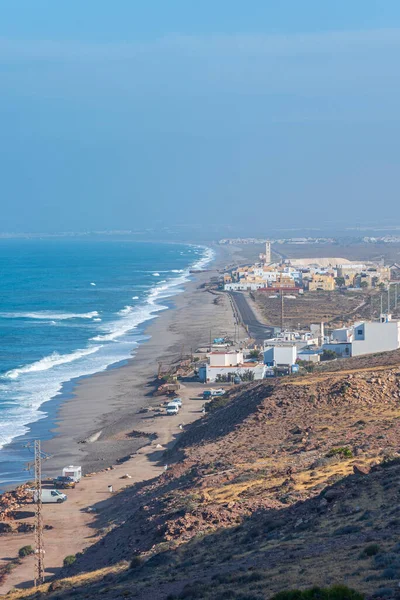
(126, 113)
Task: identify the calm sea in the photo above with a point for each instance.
(73, 308)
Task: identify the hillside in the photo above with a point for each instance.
(281, 485)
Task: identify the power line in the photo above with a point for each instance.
(39, 545)
(39, 456)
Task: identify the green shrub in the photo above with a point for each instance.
(136, 562)
(370, 550)
(69, 560)
(25, 551)
(342, 452)
(336, 592)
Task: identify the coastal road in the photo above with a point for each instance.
(256, 329)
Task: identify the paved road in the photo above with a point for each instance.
(256, 330)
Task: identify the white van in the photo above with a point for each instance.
(172, 408)
(49, 496)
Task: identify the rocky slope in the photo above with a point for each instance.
(281, 485)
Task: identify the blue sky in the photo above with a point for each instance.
(125, 114)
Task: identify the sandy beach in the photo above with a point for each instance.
(92, 427)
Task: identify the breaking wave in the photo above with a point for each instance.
(48, 362)
(47, 315)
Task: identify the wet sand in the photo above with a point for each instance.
(105, 406)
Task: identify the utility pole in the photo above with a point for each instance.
(39, 548)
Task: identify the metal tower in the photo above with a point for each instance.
(39, 547)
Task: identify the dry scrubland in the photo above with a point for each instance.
(335, 308)
(281, 485)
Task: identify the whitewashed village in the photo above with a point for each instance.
(287, 350)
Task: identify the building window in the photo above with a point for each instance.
(359, 331)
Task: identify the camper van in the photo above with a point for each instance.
(50, 496)
(172, 408)
(74, 472)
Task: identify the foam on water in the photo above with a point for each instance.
(48, 362)
(47, 315)
(26, 388)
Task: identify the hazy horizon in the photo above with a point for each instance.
(230, 116)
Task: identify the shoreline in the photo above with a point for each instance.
(108, 401)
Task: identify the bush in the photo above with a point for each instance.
(136, 562)
(194, 591)
(347, 529)
(25, 551)
(390, 573)
(381, 561)
(342, 452)
(383, 593)
(328, 355)
(336, 592)
(69, 560)
(370, 550)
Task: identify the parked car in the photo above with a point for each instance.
(63, 482)
(172, 408)
(177, 401)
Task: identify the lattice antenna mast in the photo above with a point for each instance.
(39, 547)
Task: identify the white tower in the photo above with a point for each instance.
(267, 252)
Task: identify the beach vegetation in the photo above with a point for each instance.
(336, 592)
(136, 562)
(340, 281)
(341, 452)
(25, 551)
(255, 354)
(328, 355)
(69, 560)
(230, 377)
(371, 550)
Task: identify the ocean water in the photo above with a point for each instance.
(73, 308)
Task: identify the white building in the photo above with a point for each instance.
(233, 363)
(379, 336)
(309, 355)
(366, 337)
(280, 355)
(293, 338)
(344, 335)
(226, 359)
(212, 372)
